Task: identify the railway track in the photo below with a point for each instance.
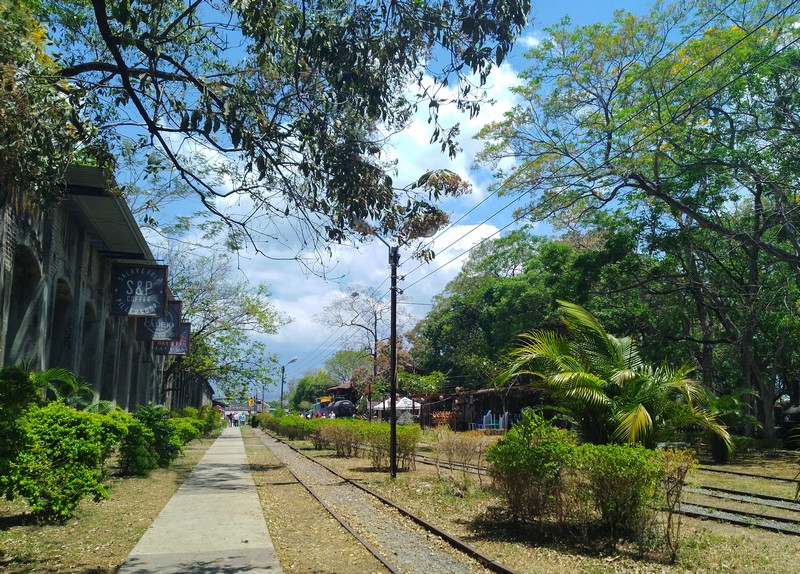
(773, 513)
(706, 468)
(401, 541)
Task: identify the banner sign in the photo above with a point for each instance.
(139, 290)
(179, 347)
(166, 328)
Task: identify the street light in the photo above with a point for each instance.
(283, 376)
(373, 331)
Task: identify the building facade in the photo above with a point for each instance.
(55, 275)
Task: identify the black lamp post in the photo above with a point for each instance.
(394, 260)
(283, 376)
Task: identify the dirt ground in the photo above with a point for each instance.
(101, 535)
(457, 504)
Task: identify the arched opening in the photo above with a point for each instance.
(23, 335)
(90, 345)
(62, 329)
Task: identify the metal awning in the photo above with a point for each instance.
(107, 219)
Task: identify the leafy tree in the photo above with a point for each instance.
(309, 387)
(606, 387)
(509, 287)
(226, 317)
(38, 140)
(345, 363)
(686, 119)
(290, 102)
(417, 385)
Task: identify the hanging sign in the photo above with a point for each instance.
(166, 328)
(138, 290)
(179, 347)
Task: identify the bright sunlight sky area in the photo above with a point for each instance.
(476, 217)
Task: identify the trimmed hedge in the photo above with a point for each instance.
(350, 437)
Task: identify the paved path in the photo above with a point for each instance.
(213, 523)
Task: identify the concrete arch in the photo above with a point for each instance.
(62, 328)
(25, 311)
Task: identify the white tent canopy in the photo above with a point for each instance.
(402, 404)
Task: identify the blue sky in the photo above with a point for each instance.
(302, 296)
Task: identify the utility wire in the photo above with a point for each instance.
(660, 59)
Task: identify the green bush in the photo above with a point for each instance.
(408, 438)
(188, 412)
(350, 437)
(530, 466)
(63, 458)
(167, 444)
(342, 435)
(17, 390)
(137, 455)
(315, 434)
(376, 439)
(208, 417)
(211, 418)
(186, 428)
(625, 484)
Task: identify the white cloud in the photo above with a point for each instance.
(532, 40)
(302, 295)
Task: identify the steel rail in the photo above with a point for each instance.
(784, 526)
(747, 474)
(372, 550)
(453, 541)
(789, 504)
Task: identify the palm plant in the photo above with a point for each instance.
(606, 387)
(66, 386)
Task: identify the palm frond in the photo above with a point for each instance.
(578, 385)
(589, 334)
(634, 424)
(27, 365)
(102, 407)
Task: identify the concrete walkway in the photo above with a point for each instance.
(213, 523)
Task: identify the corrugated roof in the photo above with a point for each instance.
(107, 219)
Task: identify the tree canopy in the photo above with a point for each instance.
(683, 124)
(226, 318)
(35, 120)
(289, 103)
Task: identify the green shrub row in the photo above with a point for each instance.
(54, 455)
(545, 476)
(350, 437)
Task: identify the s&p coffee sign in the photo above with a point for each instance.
(139, 290)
